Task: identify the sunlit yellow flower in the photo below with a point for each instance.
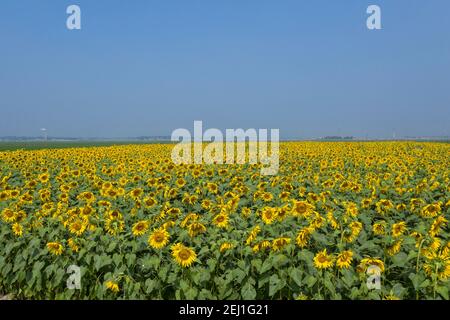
(226, 246)
(140, 228)
(253, 234)
(322, 260)
(398, 229)
(183, 255)
(196, 228)
(367, 262)
(431, 210)
(114, 226)
(112, 286)
(268, 215)
(344, 259)
(439, 223)
(8, 215)
(17, 229)
(303, 237)
(302, 209)
(394, 248)
(55, 248)
(73, 245)
(379, 228)
(77, 227)
(221, 220)
(149, 202)
(279, 243)
(159, 238)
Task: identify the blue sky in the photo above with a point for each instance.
(310, 68)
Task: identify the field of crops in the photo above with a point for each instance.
(140, 227)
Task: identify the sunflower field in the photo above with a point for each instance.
(139, 227)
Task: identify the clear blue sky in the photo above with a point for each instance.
(310, 68)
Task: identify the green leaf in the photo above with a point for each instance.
(416, 280)
(443, 291)
(248, 292)
(191, 293)
(275, 284)
(296, 275)
(150, 285)
(238, 275)
(279, 260)
(266, 266)
(184, 285)
(111, 246)
(400, 259)
(310, 281)
(257, 263)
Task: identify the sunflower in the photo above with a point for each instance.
(212, 187)
(394, 248)
(322, 260)
(226, 246)
(206, 204)
(303, 237)
(136, 193)
(268, 215)
(379, 228)
(246, 212)
(365, 203)
(437, 225)
(112, 286)
(159, 238)
(438, 264)
(73, 245)
(221, 220)
(253, 234)
(367, 262)
(431, 210)
(317, 222)
(140, 228)
(301, 296)
(332, 220)
(43, 178)
(55, 248)
(196, 228)
(114, 226)
(398, 229)
(344, 259)
(77, 228)
(279, 243)
(4, 195)
(353, 231)
(383, 206)
(351, 209)
(190, 217)
(284, 196)
(8, 215)
(17, 229)
(183, 255)
(267, 196)
(114, 215)
(180, 182)
(302, 209)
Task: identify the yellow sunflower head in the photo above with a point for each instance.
(159, 238)
(140, 228)
(183, 255)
